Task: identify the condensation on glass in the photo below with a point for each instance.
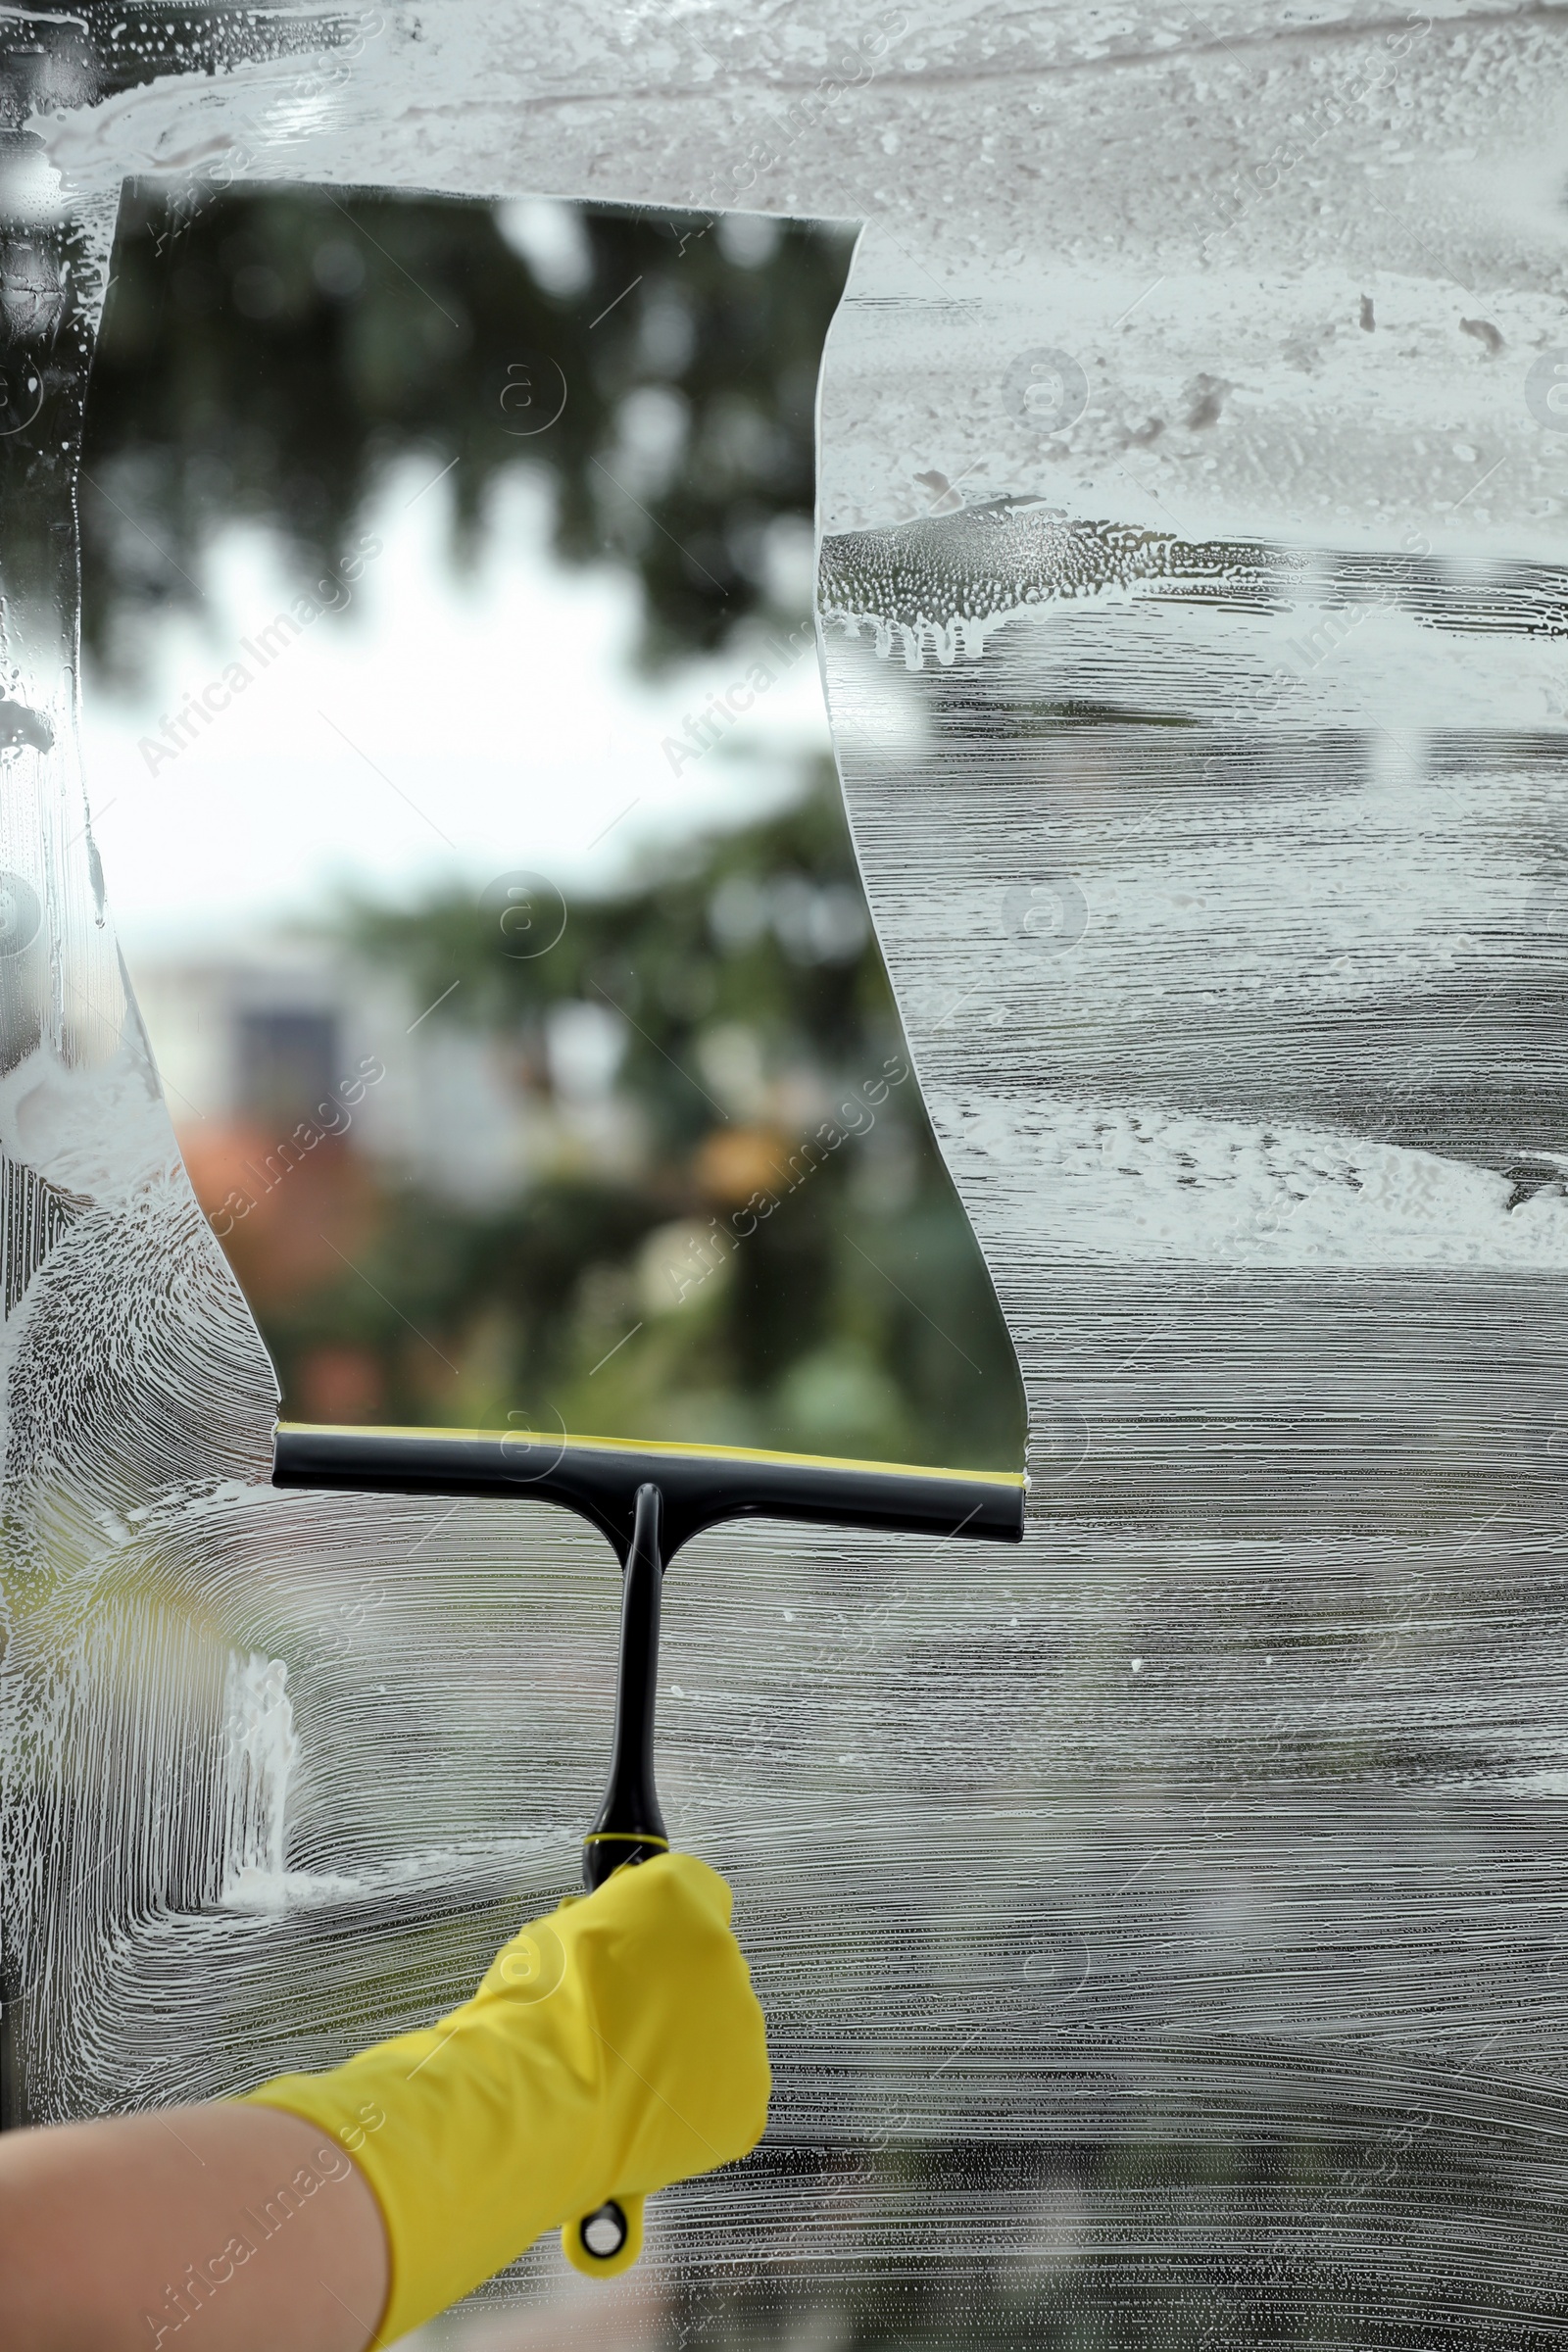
(1160, 1932)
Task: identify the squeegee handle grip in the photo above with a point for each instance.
(631, 1827)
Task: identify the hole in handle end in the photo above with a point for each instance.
(604, 2243)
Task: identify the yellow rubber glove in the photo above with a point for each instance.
(611, 2048)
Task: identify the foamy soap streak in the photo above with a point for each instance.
(1160, 1928)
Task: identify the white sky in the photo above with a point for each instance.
(440, 726)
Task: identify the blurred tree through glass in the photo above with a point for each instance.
(733, 1224)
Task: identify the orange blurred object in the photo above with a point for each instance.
(339, 1384)
(288, 1212)
(731, 1163)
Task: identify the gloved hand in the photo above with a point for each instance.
(611, 2048)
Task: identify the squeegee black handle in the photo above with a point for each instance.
(631, 1827)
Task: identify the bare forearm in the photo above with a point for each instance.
(221, 2229)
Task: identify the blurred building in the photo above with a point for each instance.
(304, 1089)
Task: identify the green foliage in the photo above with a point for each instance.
(815, 1284)
(265, 354)
(765, 927)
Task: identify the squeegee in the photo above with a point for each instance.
(648, 1500)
